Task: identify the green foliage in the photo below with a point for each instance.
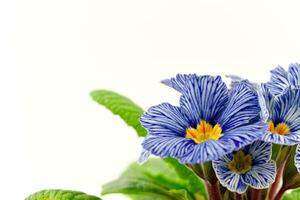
(60, 195)
(293, 195)
(122, 106)
(192, 181)
(291, 177)
(157, 179)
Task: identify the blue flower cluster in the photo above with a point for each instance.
(234, 127)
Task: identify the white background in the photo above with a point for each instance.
(53, 53)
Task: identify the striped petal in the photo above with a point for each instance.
(260, 152)
(297, 158)
(232, 181)
(289, 139)
(270, 100)
(205, 97)
(207, 151)
(179, 82)
(287, 109)
(168, 146)
(165, 120)
(294, 71)
(242, 107)
(261, 175)
(245, 135)
(279, 81)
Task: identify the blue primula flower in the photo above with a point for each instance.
(282, 79)
(284, 117)
(250, 166)
(210, 122)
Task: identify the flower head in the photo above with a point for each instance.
(282, 79)
(282, 97)
(250, 166)
(210, 122)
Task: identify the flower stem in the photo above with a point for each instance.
(281, 162)
(211, 182)
(238, 196)
(256, 194)
(280, 194)
(213, 190)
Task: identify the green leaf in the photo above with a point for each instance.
(148, 197)
(157, 179)
(60, 195)
(122, 106)
(293, 195)
(192, 182)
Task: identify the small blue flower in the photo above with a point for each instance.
(282, 96)
(282, 79)
(284, 116)
(210, 122)
(250, 166)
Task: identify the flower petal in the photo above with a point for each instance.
(260, 152)
(287, 109)
(168, 146)
(245, 135)
(269, 100)
(261, 175)
(279, 81)
(289, 139)
(242, 107)
(165, 119)
(294, 70)
(297, 158)
(205, 97)
(179, 82)
(206, 151)
(144, 156)
(232, 181)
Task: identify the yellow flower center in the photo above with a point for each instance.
(204, 132)
(240, 163)
(281, 128)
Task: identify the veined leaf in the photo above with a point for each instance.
(122, 106)
(193, 183)
(156, 179)
(61, 195)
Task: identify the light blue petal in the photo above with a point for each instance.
(294, 70)
(205, 98)
(279, 81)
(297, 158)
(168, 146)
(242, 107)
(165, 119)
(245, 135)
(206, 151)
(234, 80)
(261, 175)
(144, 156)
(232, 181)
(260, 152)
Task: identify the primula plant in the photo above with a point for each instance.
(221, 143)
